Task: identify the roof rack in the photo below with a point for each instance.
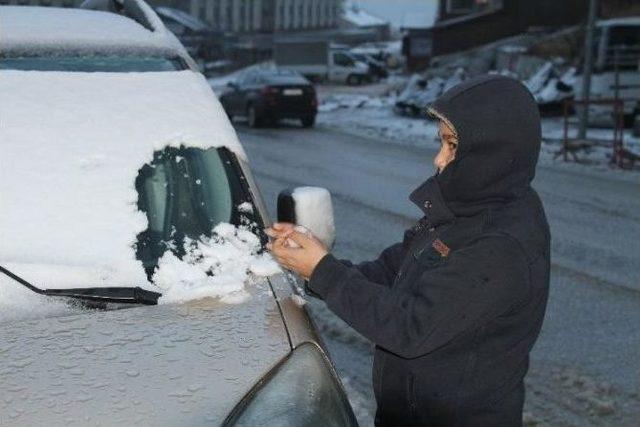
(137, 10)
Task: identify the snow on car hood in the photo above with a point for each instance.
(72, 145)
(178, 364)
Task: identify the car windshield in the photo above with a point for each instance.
(90, 64)
(185, 193)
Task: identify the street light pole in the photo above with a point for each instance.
(588, 67)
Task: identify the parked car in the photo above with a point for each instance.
(266, 95)
(377, 69)
(317, 60)
(418, 95)
(117, 159)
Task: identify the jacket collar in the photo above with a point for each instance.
(428, 198)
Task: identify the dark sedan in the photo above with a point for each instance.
(268, 95)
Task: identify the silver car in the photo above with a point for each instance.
(97, 104)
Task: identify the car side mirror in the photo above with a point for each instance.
(310, 207)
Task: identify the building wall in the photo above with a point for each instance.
(54, 3)
(507, 18)
(246, 16)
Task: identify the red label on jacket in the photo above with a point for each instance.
(440, 246)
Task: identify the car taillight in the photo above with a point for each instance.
(270, 93)
(311, 93)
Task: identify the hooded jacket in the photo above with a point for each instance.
(455, 308)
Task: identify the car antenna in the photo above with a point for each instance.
(132, 295)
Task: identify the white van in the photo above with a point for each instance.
(616, 70)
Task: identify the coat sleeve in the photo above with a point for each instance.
(383, 270)
(474, 285)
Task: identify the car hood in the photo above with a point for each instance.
(183, 364)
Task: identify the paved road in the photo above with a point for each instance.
(585, 368)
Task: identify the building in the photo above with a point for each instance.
(260, 16)
(242, 16)
(464, 24)
(53, 3)
(355, 17)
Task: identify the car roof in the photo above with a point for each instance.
(33, 30)
(183, 18)
(279, 76)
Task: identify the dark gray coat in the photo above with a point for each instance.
(455, 308)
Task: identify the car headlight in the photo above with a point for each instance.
(300, 391)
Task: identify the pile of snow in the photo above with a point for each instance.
(218, 266)
(73, 144)
(549, 86)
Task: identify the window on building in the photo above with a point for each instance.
(300, 15)
(471, 6)
(229, 14)
(242, 15)
(216, 16)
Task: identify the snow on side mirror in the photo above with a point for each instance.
(311, 208)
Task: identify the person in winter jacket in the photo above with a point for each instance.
(455, 308)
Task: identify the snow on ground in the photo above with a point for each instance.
(373, 117)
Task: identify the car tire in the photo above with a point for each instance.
(308, 121)
(226, 110)
(354, 80)
(252, 117)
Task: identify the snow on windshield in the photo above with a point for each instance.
(218, 266)
(72, 146)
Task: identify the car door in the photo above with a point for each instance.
(341, 66)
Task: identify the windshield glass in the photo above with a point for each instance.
(184, 193)
(90, 64)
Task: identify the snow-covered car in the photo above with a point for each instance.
(123, 185)
(418, 95)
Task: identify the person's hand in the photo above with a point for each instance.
(303, 259)
(280, 229)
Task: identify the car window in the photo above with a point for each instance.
(342, 60)
(87, 64)
(185, 192)
(248, 79)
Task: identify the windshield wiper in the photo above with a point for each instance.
(134, 295)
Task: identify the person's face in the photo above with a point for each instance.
(448, 147)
